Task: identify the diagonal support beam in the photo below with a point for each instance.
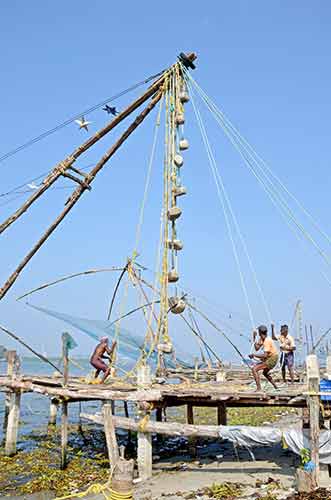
(79, 191)
(64, 165)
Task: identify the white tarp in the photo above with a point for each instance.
(296, 439)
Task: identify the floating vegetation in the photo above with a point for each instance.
(225, 491)
(38, 469)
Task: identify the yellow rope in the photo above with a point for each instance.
(142, 424)
(103, 489)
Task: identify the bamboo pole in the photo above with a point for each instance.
(40, 356)
(72, 200)
(64, 423)
(166, 428)
(313, 402)
(65, 164)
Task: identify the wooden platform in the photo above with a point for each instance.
(235, 394)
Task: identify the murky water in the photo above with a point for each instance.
(35, 407)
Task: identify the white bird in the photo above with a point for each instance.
(32, 186)
(83, 123)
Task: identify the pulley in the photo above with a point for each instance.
(173, 276)
(177, 305)
(174, 213)
(183, 144)
(179, 191)
(178, 160)
(175, 245)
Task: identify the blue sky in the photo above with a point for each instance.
(266, 64)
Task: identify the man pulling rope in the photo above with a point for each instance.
(99, 355)
(268, 360)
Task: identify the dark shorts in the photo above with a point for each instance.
(287, 359)
(99, 364)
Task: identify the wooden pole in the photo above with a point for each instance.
(313, 403)
(65, 164)
(64, 423)
(11, 357)
(72, 200)
(112, 446)
(122, 478)
(165, 428)
(12, 406)
(144, 450)
(126, 413)
(221, 414)
(53, 411)
(192, 442)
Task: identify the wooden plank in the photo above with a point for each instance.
(112, 445)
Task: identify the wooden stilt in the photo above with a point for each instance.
(11, 357)
(313, 401)
(53, 411)
(112, 446)
(192, 441)
(64, 435)
(144, 451)
(126, 413)
(13, 423)
(221, 414)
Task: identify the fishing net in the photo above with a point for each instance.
(130, 345)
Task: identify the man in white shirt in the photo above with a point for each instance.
(287, 348)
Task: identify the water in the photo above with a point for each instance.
(35, 407)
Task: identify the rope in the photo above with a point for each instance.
(148, 178)
(96, 489)
(73, 118)
(271, 190)
(220, 192)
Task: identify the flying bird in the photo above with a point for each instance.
(110, 110)
(32, 186)
(83, 123)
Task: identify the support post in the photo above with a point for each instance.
(13, 423)
(64, 423)
(192, 441)
(313, 402)
(112, 446)
(122, 478)
(64, 435)
(221, 414)
(11, 357)
(53, 411)
(12, 407)
(144, 451)
(126, 414)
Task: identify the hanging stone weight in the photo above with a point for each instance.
(179, 191)
(177, 305)
(173, 276)
(183, 144)
(178, 160)
(174, 213)
(184, 97)
(180, 119)
(165, 347)
(175, 244)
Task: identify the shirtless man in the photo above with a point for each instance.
(268, 360)
(287, 347)
(99, 355)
